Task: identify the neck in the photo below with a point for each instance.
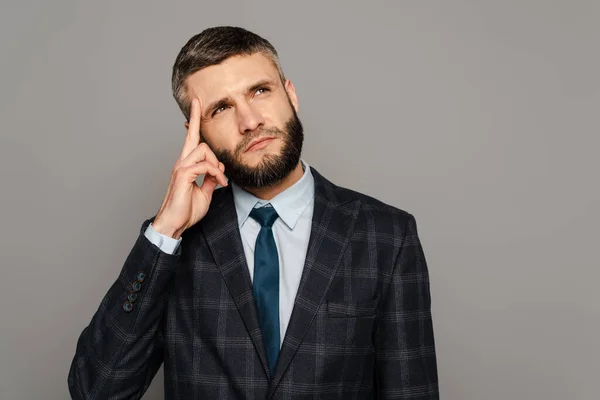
(268, 193)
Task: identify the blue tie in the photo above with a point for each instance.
(266, 282)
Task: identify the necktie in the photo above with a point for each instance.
(265, 285)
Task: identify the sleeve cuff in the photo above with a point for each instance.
(166, 243)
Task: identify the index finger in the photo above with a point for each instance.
(192, 139)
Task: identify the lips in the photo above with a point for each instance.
(258, 141)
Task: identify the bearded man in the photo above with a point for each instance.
(277, 285)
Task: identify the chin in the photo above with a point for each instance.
(256, 158)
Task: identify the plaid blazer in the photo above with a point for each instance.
(360, 329)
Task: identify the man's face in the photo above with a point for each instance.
(243, 100)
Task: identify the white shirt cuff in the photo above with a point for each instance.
(166, 243)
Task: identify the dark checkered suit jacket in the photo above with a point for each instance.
(360, 328)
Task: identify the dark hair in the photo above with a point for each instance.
(211, 47)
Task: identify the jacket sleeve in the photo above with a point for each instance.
(121, 349)
(405, 351)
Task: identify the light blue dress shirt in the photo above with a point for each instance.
(291, 230)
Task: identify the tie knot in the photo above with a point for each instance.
(265, 216)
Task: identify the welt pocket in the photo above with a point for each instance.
(337, 309)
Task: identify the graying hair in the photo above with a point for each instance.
(211, 47)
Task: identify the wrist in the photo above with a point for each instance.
(165, 230)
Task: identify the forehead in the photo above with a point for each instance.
(234, 75)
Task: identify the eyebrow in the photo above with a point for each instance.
(225, 101)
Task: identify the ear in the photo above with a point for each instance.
(291, 91)
(187, 125)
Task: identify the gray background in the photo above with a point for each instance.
(480, 118)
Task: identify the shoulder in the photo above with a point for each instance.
(374, 216)
(376, 210)
(368, 204)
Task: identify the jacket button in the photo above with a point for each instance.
(132, 297)
(136, 286)
(141, 276)
(127, 306)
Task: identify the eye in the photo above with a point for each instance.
(218, 110)
(262, 90)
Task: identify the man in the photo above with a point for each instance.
(278, 285)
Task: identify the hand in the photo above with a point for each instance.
(186, 202)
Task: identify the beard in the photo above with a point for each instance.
(272, 169)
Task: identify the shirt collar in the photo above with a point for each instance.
(289, 204)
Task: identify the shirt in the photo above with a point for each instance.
(291, 231)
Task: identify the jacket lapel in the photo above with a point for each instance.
(333, 222)
(220, 227)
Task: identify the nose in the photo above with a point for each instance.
(249, 118)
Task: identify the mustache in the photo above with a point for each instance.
(271, 131)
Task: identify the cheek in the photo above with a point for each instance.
(227, 126)
(274, 116)
(220, 135)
